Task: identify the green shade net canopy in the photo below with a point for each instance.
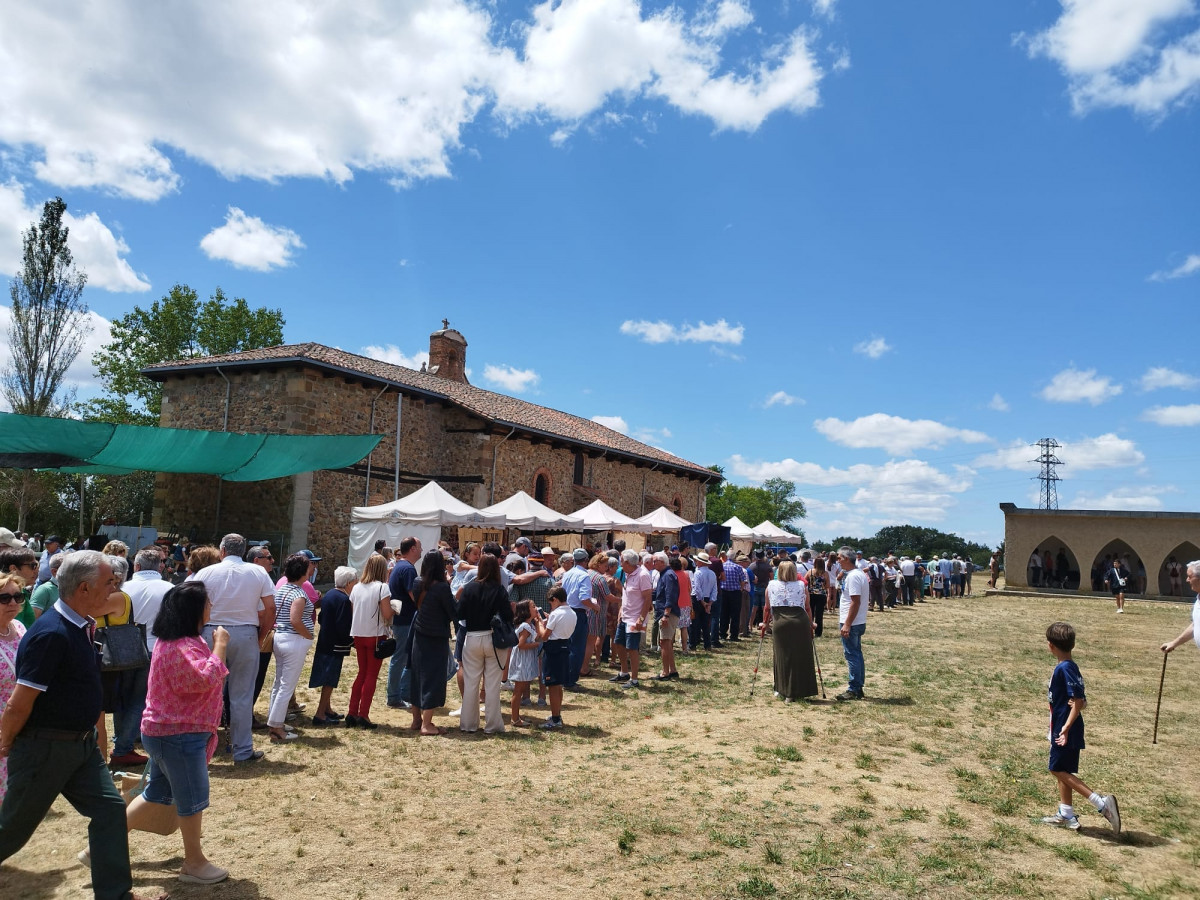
(98, 448)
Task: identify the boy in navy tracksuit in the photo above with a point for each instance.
(1067, 702)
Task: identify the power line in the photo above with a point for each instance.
(1049, 478)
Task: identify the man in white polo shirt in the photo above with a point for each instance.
(243, 603)
(908, 569)
(852, 617)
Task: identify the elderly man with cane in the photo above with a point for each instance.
(1191, 633)
(48, 728)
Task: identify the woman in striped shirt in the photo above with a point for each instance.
(293, 636)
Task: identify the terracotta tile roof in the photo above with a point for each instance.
(498, 408)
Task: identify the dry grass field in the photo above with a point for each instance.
(931, 787)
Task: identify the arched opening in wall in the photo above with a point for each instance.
(1059, 569)
(541, 487)
(677, 505)
(1135, 584)
(577, 473)
(1182, 555)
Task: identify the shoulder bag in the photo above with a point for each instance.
(122, 647)
(385, 647)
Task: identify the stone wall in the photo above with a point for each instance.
(1087, 534)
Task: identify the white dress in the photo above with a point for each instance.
(524, 663)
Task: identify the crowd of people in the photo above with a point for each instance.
(493, 619)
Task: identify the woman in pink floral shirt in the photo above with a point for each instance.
(12, 600)
(179, 726)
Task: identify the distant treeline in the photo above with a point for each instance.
(911, 540)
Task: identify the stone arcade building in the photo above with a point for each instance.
(479, 445)
(1085, 538)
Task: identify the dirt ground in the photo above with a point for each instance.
(931, 787)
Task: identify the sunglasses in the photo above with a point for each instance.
(11, 598)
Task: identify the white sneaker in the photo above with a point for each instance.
(456, 713)
(1059, 821)
(508, 685)
(1120, 612)
(1111, 811)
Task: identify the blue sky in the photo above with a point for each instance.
(877, 248)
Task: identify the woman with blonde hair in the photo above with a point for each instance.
(370, 621)
(792, 631)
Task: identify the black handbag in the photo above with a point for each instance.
(122, 647)
(504, 635)
(385, 647)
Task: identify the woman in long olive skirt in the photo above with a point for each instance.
(792, 629)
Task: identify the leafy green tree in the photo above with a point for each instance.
(49, 325)
(775, 500)
(178, 326)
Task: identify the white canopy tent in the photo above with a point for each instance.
(663, 520)
(740, 531)
(522, 511)
(769, 531)
(599, 516)
(421, 515)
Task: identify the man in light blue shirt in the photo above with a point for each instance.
(577, 582)
(53, 545)
(704, 595)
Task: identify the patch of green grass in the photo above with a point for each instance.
(851, 814)
(728, 839)
(1085, 856)
(952, 819)
(918, 747)
(787, 753)
(773, 855)
(625, 841)
(866, 762)
(914, 814)
(754, 886)
(864, 795)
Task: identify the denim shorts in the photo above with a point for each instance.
(630, 640)
(178, 771)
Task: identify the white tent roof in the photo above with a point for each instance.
(769, 531)
(431, 505)
(662, 519)
(522, 511)
(740, 531)
(599, 516)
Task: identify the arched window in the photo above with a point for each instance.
(541, 487)
(578, 474)
(677, 505)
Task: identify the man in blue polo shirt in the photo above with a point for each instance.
(48, 728)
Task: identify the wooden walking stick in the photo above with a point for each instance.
(762, 634)
(1158, 706)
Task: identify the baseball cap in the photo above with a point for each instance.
(523, 542)
(580, 555)
(312, 557)
(8, 539)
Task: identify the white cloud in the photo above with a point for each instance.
(616, 423)
(998, 403)
(335, 88)
(1107, 451)
(1075, 386)
(1189, 266)
(652, 436)
(509, 378)
(873, 348)
(97, 251)
(824, 7)
(81, 375)
(1159, 377)
(247, 242)
(1174, 415)
(894, 434)
(782, 398)
(661, 332)
(392, 354)
(1141, 496)
(1125, 53)
(900, 490)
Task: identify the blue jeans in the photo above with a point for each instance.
(578, 648)
(130, 696)
(177, 773)
(852, 650)
(241, 657)
(399, 677)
